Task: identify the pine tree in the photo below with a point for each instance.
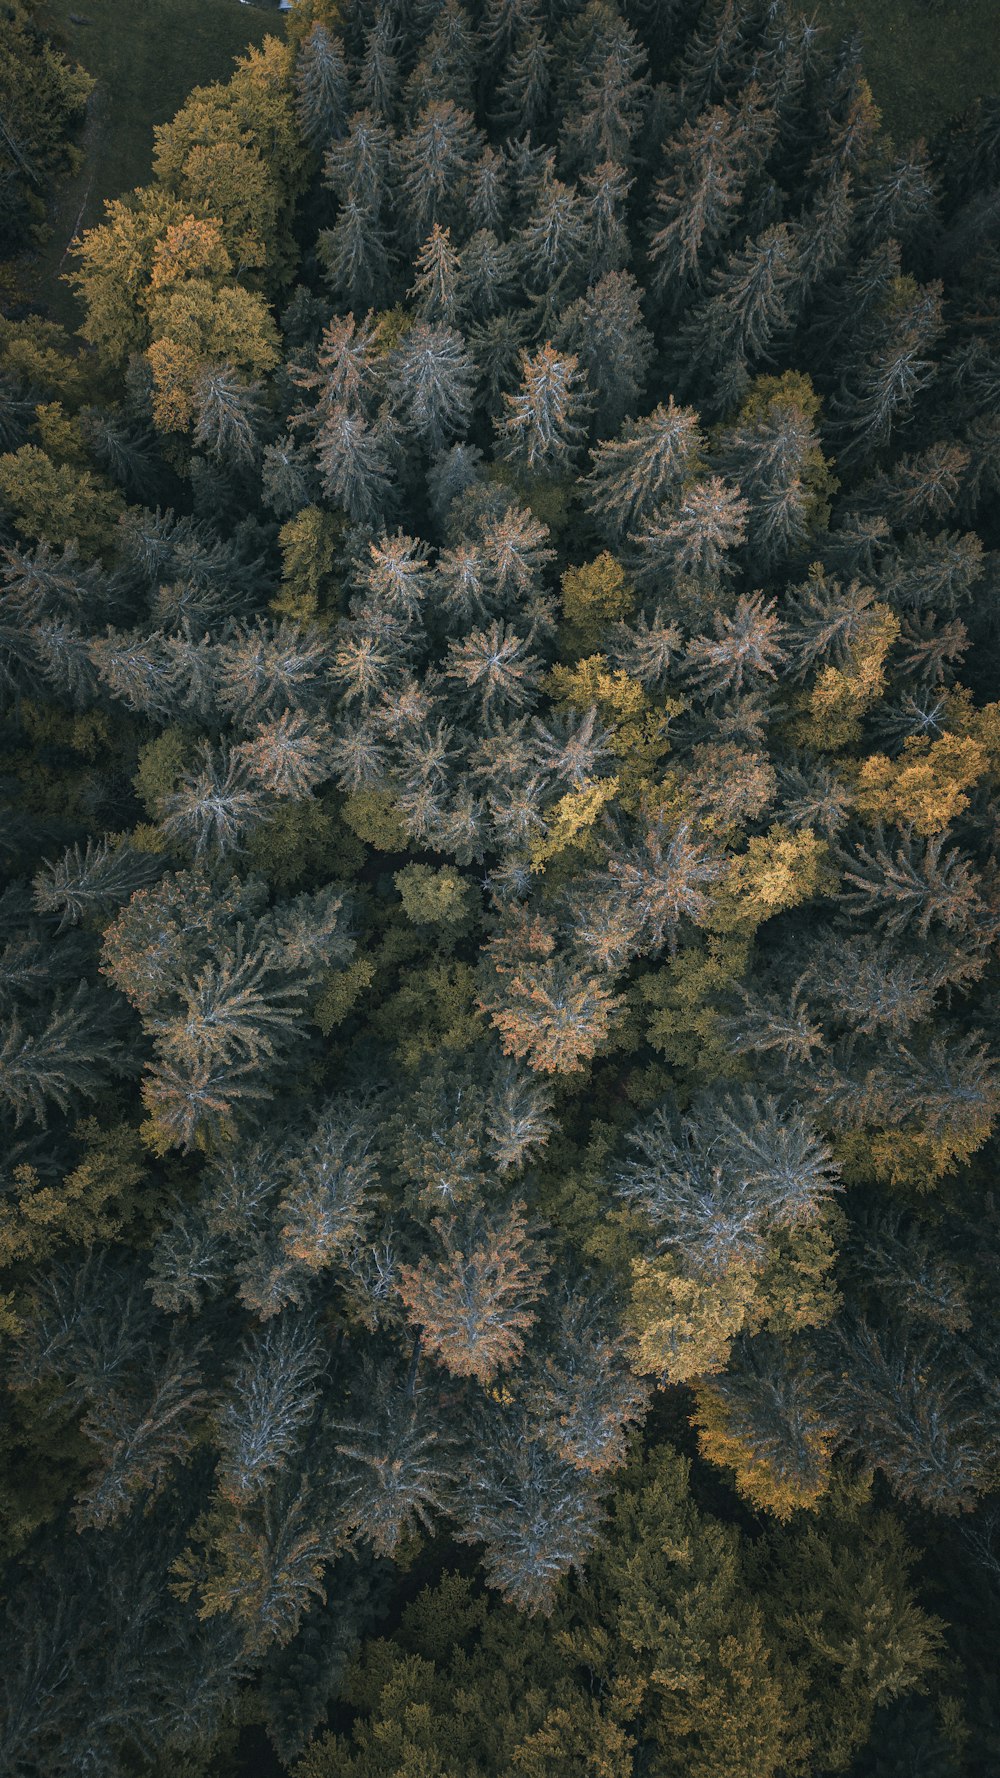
(487, 273)
(268, 669)
(750, 303)
(911, 1407)
(140, 1433)
(487, 190)
(766, 1416)
(263, 1568)
(549, 1009)
(574, 749)
(139, 671)
(696, 200)
(497, 347)
(515, 547)
(227, 416)
(214, 807)
(646, 649)
(884, 381)
(584, 1399)
(773, 453)
(435, 285)
(92, 882)
(354, 464)
(446, 69)
(551, 246)
(606, 191)
(899, 200)
(322, 85)
(289, 756)
(822, 231)
(694, 536)
(915, 883)
(60, 1061)
(523, 94)
(398, 1462)
(268, 1404)
(473, 1299)
(662, 879)
(746, 647)
(436, 157)
(845, 1603)
(355, 256)
(637, 472)
(606, 332)
(494, 670)
(712, 52)
(378, 74)
(543, 425)
(780, 1025)
(323, 1206)
(609, 90)
(432, 381)
(360, 170)
(734, 1168)
(536, 1516)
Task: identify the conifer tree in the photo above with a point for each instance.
(397, 1476)
(536, 1516)
(433, 378)
(750, 302)
(214, 806)
(543, 426)
(647, 464)
(435, 285)
(267, 1407)
(140, 1433)
(694, 536)
(61, 1059)
(322, 87)
(473, 1297)
(91, 882)
(610, 340)
(523, 95)
(436, 158)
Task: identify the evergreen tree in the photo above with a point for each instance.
(695, 536)
(543, 424)
(433, 378)
(639, 471)
(750, 303)
(606, 333)
(536, 1516)
(397, 1476)
(59, 1060)
(268, 1404)
(322, 85)
(523, 95)
(473, 1298)
(436, 157)
(94, 881)
(436, 283)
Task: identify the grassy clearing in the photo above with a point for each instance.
(926, 59)
(146, 55)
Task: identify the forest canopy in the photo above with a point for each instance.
(499, 1071)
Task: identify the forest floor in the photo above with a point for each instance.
(926, 59)
(145, 55)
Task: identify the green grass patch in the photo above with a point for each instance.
(926, 59)
(146, 55)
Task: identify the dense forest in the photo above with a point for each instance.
(500, 1057)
